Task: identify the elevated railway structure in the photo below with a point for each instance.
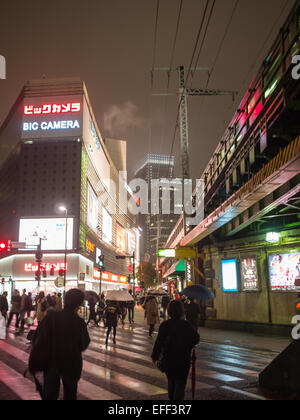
(252, 181)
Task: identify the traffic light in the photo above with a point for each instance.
(44, 273)
(3, 246)
(61, 272)
(3, 281)
(129, 268)
(101, 260)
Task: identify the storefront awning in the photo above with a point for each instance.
(178, 268)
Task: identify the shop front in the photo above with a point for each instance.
(255, 285)
(109, 281)
(18, 272)
(175, 277)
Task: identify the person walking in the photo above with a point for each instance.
(4, 305)
(26, 305)
(92, 317)
(175, 341)
(15, 308)
(165, 300)
(111, 314)
(42, 306)
(130, 307)
(68, 338)
(192, 312)
(100, 309)
(151, 314)
(58, 303)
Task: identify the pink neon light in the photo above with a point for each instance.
(52, 109)
(34, 267)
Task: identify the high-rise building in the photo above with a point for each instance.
(157, 227)
(59, 184)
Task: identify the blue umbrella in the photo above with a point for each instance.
(197, 291)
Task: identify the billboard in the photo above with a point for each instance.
(52, 117)
(229, 275)
(92, 209)
(284, 271)
(249, 274)
(121, 238)
(131, 242)
(106, 226)
(52, 232)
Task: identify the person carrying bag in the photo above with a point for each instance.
(57, 349)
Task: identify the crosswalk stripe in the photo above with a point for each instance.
(128, 367)
(21, 386)
(122, 380)
(85, 388)
(125, 364)
(245, 393)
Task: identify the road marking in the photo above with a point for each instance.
(245, 393)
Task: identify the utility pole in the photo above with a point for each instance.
(38, 257)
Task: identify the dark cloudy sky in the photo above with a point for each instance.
(110, 44)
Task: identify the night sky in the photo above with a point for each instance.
(110, 45)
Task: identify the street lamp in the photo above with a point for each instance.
(65, 210)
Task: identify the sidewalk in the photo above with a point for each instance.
(228, 337)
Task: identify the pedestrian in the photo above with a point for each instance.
(42, 306)
(15, 308)
(100, 309)
(165, 300)
(192, 312)
(151, 314)
(130, 308)
(173, 347)
(68, 338)
(58, 303)
(92, 317)
(51, 303)
(4, 305)
(111, 314)
(24, 308)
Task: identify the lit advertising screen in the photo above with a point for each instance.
(52, 231)
(52, 117)
(92, 209)
(131, 242)
(106, 226)
(229, 275)
(249, 274)
(121, 238)
(284, 271)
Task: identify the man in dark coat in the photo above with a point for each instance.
(111, 315)
(175, 341)
(164, 304)
(192, 312)
(69, 338)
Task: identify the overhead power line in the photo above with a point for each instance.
(222, 42)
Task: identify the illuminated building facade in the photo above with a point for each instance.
(54, 156)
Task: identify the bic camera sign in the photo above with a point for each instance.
(2, 67)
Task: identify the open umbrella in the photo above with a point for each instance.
(118, 296)
(90, 294)
(157, 292)
(197, 291)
